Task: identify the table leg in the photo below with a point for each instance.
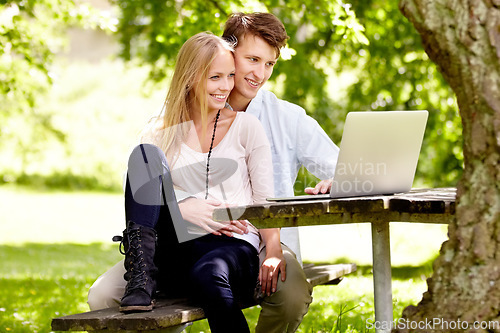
(382, 276)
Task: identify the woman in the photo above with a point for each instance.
(216, 155)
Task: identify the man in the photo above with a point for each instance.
(296, 140)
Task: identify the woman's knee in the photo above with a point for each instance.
(148, 154)
(147, 170)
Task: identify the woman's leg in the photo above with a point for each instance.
(144, 203)
(224, 278)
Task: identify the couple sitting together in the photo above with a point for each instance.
(219, 140)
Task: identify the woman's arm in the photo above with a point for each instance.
(199, 212)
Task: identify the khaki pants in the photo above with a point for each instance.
(281, 312)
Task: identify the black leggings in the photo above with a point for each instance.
(219, 273)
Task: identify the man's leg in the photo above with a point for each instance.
(108, 289)
(283, 311)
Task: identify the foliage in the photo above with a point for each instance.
(153, 32)
(101, 110)
(368, 40)
(358, 56)
(394, 73)
(31, 33)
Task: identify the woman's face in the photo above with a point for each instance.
(220, 80)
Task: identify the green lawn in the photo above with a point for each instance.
(53, 245)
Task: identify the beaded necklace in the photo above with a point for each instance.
(210, 153)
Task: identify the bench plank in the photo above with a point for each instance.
(327, 274)
(172, 312)
(167, 313)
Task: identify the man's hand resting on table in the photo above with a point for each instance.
(323, 186)
(199, 212)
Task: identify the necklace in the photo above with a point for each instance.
(210, 153)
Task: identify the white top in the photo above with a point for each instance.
(240, 169)
(296, 140)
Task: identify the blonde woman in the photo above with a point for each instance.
(211, 153)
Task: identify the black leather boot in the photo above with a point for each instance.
(139, 244)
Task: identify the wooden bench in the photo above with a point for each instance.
(170, 313)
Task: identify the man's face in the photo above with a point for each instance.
(254, 60)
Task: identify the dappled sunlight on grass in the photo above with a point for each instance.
(38, 300)
(43, 274)
(43, 281)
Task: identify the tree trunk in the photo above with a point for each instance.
(463, 38)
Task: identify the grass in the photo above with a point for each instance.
(42, 281)
(53, 245)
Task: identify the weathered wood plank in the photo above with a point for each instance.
(358, 205)
(298, 209)
(424, 201)
(323, 274)
(302, 208)
(168, 313)
(418, 205)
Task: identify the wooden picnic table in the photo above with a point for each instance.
(432, 205)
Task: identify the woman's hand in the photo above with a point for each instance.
(323, 186)
(199, 212)
(274, 264)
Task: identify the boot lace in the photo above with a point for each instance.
(138, 276)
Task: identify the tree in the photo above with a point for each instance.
(463, 39)
(31, 33)
(153, 32)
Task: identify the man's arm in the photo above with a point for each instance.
(316, 152)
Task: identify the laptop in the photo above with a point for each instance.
(378, 154)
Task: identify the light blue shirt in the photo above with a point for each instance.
(296, 140)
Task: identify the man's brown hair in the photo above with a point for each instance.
(263, 25)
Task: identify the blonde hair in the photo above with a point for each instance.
(190, 74)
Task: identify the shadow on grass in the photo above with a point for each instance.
(63, 181)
